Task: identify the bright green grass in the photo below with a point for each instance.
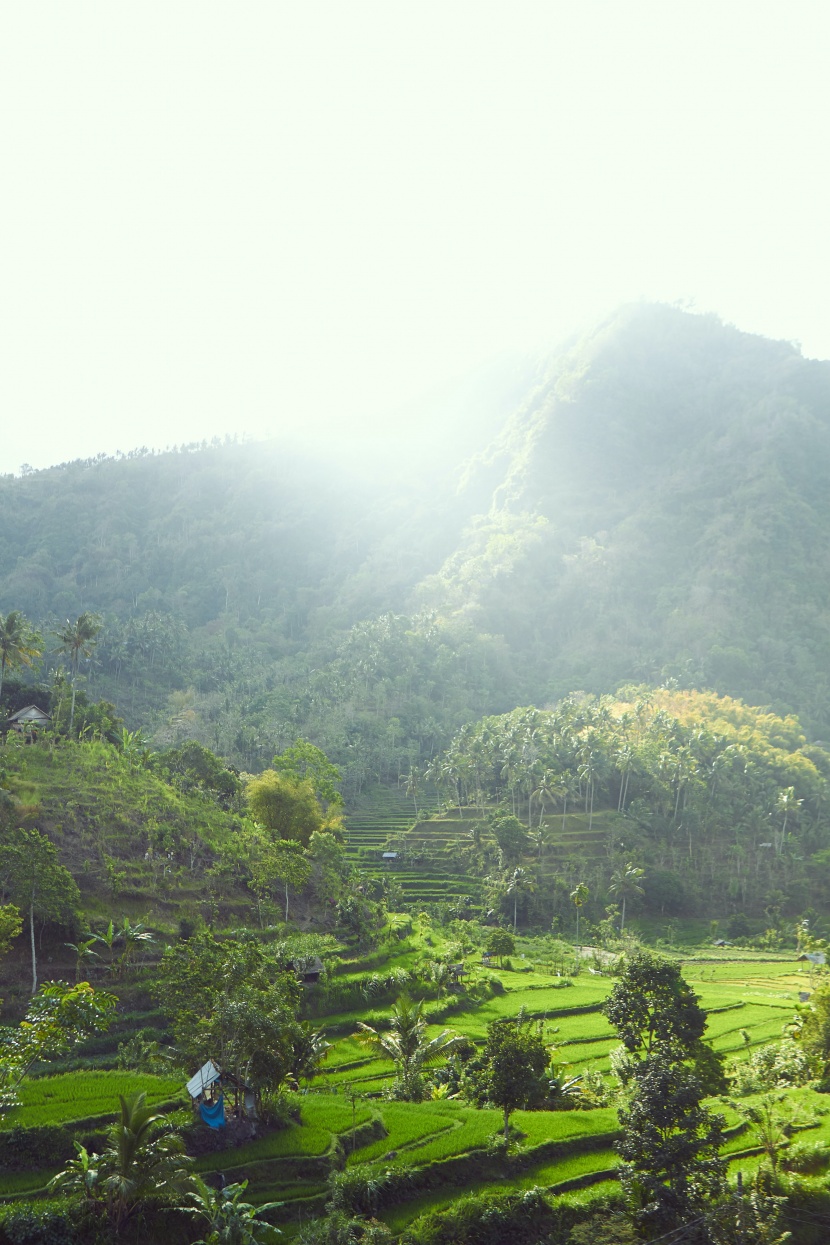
(12, 1184)
(321, 1117)
(405, 1127)
(545, 1176)
(74, 1096)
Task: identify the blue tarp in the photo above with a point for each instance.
(213, 1113)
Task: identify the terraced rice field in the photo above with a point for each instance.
(428, 867)
(74, 1096)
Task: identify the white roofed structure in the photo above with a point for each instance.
(206, 1076)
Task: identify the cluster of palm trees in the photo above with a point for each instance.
(730, 794)
(21, 645)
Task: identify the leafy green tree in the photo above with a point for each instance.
(57, 1019)
(360, 918)
(579, 897)
(511, 1071)
(510, 835)
(283, 861)
(671, 1167)
(33, 876)
(624, 885)
(76, 641)
(19, 644)
(309, 1049)
(10, 926)
(652, 1004)
(194, 767)
(287, 807)
(233, 1000)
(814, 1034)
(303, 762)
(408, 1046)
(500, 942)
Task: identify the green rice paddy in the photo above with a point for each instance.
(75, 1096)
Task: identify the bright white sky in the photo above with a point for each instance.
(245, 217)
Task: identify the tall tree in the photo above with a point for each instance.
(18, 644)
(76, 641)
(288, 807)
(625, 884)
(34, 878)
(579, 896)
(671, 1169)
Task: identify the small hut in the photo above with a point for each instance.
(308, 969)
(28, 721)
(208, 1089)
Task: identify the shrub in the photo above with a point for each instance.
(777, 1065)
(363, 1190)
(806, 1158)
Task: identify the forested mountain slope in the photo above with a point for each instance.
(660, 507)
(655, 507)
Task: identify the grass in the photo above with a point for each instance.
(73, 1096)
(322, 1118)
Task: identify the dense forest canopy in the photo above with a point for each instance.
(653, 508)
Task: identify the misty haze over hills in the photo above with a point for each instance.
(647, 503)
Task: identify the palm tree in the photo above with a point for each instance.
(579, 895)
(18, 643)
(138, 1162)
(625, 884)
(408, 1046)
(521, 883)
(310, 1048)
(83, 953)
(786, 803)
(134, 936)
(77, 640)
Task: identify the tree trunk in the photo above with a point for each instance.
(506, 1122)
(72, 710)
(32, 934)
(515, 902)
(286, 903)
(622, 919)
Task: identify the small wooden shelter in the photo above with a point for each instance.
(211, 1085)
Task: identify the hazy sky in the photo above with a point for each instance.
(240, 217)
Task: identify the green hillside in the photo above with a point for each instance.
(653, 508)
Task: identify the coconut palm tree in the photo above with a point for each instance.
(579, 895)
(18, 643)
(625, 884)
(520, 883)
(139, 1162)
(408, 1046)
(77, 640)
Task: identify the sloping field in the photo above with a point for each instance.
(77, 1096)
